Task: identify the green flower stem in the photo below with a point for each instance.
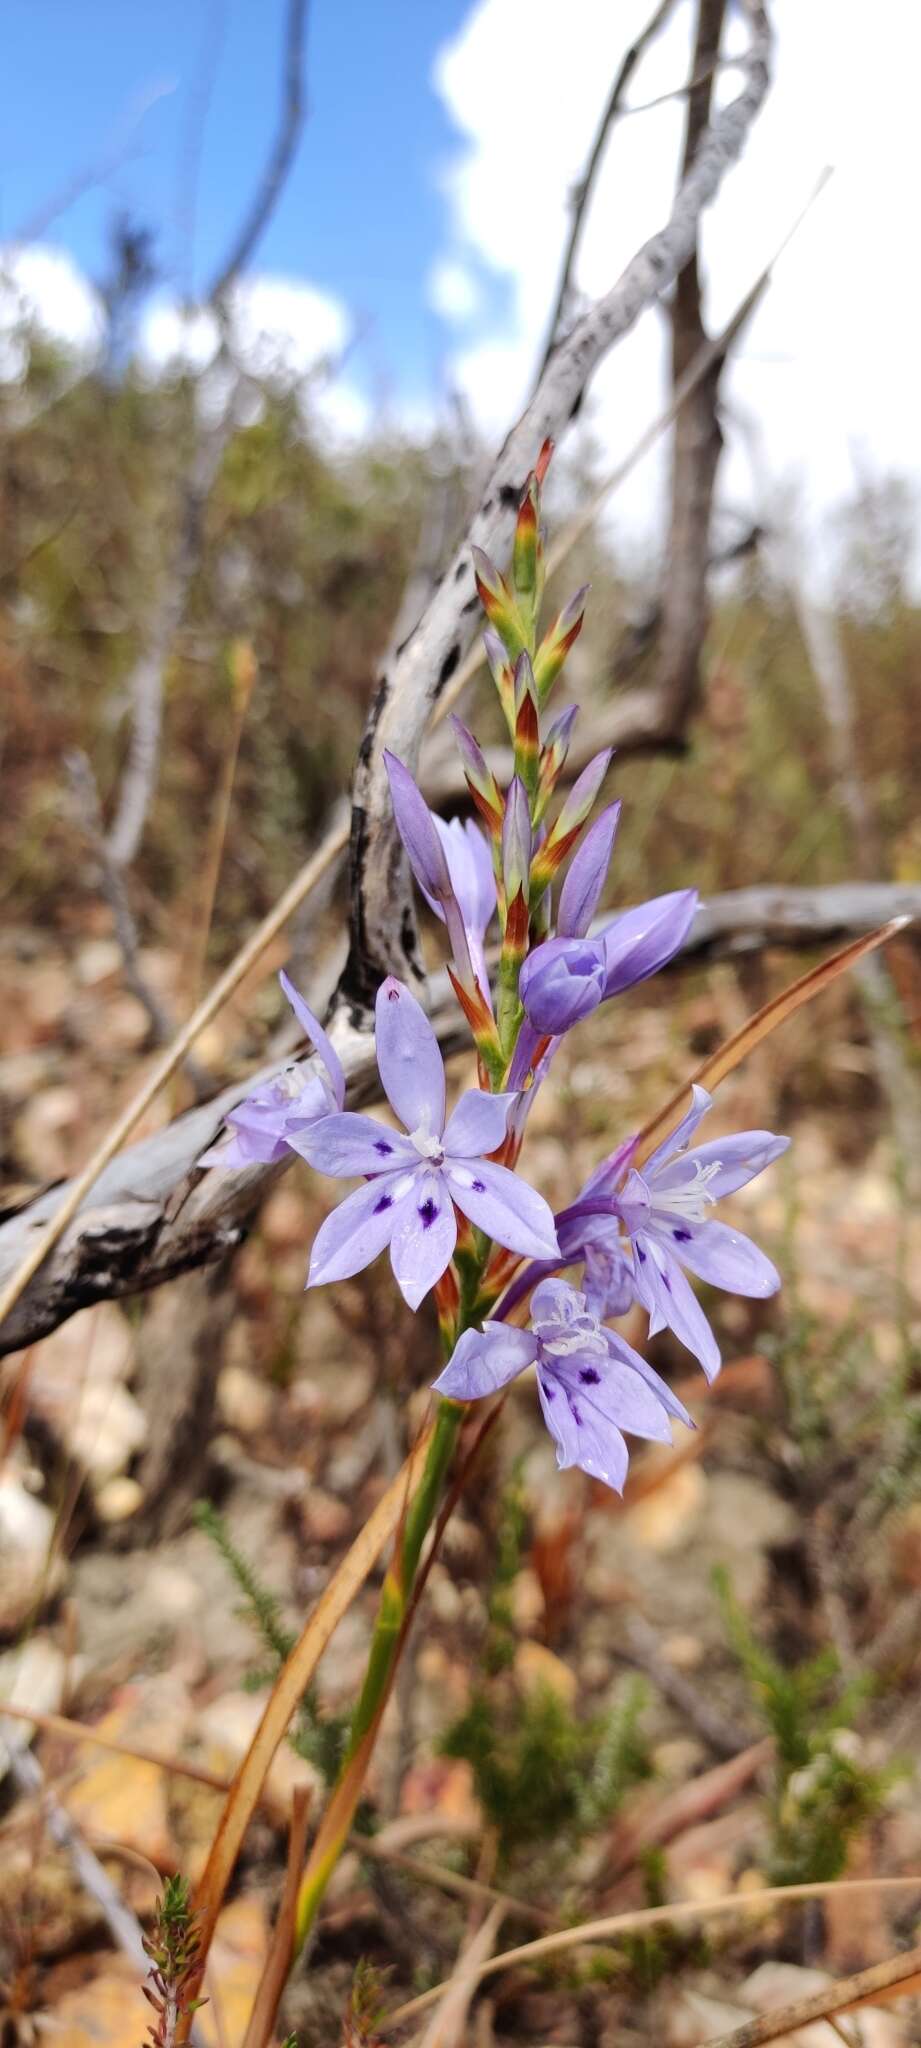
(391, 1614)
(400, 1578)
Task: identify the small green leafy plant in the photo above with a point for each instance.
(824, 1791)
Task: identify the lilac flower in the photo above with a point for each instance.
(288, 1103)
(566, 978)
(413, 1181)
(640, 1227)
(427, 858)
(470, 867)
(592, 1385)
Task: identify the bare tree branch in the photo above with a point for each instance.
(281, 156)
(582, 192)
(146, 681)
(151, 1213)
(114, 889)
(383, 929)
(698, 441)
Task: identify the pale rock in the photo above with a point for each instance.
(118, 1499)
(34, 1676)
(527, 1600)
(127, 1024)
(107, 1431)
(776, 1984)
(97, 960)
(46, 1131)
(665, 1518)
(683, 1652)
(30, 1569)
(175, 1593)
(244, 1402)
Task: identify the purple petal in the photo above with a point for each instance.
(357, 1231)
(317, 1036)
(501, 1203)
(679, 1139)
(471, 871)
(556, 1301)
(724, 1258)
(232, 1153)
(347, 1144)
(619, 1348)
(477, 1124)
(485, 1361)
(561, 982)
(587, 875)
(408, 1059)
(739, 1159)
(423, 1238)
(416, 828)
(609, 1289)
(642, 940)
(671, 1303)
(583, 1437)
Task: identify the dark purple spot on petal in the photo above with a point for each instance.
(589, 1377)
(478, 1187)
(666, 1283)
(393, 995)
(574, 1412)
(641, 1255)
(381, 1145)
(549, 1392)
(385, 1202)
(428, 1212)
(682, 1236)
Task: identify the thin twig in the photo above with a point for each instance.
(112, 882)
(281, 156)
(861, 1989)
(686, 1911)
(643, 1649)
(582, 192)
(375, 1847)
(124, 1928)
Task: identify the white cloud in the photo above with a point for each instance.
(42, 288)
(829, 361)
(453, 290)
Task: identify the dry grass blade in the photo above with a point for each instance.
(261, 2023)
(897, 1978)
(688, 1910)
(446, 2029)
(291, 1683)
(737, 1048)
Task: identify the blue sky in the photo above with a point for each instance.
(408, 223)
(361, 216)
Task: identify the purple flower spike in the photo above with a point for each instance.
(658, 1218)
(592, 1385)
(561, 982)
(641, 941)
(587, 875)
(262, 1125)
(414, 1181)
